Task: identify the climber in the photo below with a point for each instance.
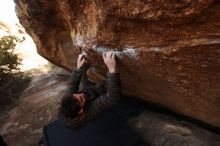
(84, 101)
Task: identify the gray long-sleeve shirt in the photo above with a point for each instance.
(103, 101)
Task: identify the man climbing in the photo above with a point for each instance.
(84, 101)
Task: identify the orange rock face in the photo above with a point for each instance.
(168, 51)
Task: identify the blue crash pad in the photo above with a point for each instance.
(109, 129)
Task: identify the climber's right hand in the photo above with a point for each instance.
(109, 60)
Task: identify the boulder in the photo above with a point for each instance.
(21, 125)
(163, 130)
(168, 51)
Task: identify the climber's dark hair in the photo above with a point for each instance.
(69, 107)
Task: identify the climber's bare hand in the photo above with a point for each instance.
(109, 60)
(80, 60)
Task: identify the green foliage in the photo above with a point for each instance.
(12, 86)
(50, 66)
(12, 80)
(9, 61)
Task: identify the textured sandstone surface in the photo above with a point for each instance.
(38, 106)
(168, 51)
(162, 130)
